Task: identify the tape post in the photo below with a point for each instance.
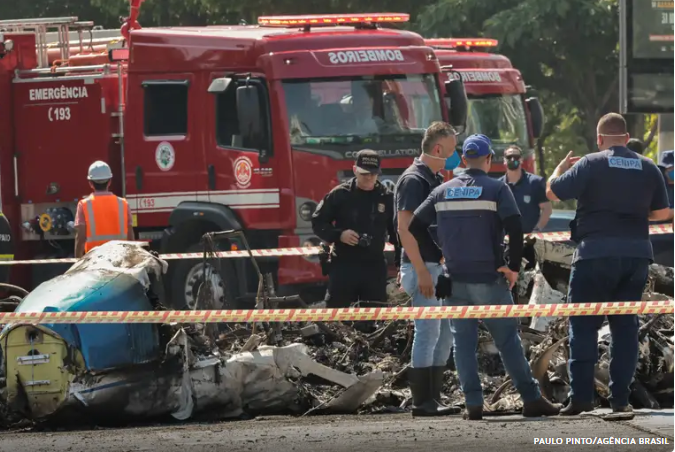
(342, 314)
(303, 251)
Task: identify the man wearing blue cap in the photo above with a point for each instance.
(472, 212)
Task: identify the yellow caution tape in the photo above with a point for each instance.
(346, 314)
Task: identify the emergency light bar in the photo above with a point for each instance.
(461, 42)
(332, 19)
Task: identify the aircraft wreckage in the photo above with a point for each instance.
(90, 372)
(145, 370)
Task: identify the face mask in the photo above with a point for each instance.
(452, 162)
(670, 174)
(513, 164)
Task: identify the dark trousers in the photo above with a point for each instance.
(597, 281)
(356, 281)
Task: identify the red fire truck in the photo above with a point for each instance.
(499, 106)
(207, 128)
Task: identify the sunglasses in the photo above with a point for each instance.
(512, 157)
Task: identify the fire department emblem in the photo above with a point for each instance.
(243, 171)
(527, 199)
(165, 156)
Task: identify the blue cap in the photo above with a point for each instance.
(477, 145)
(666, 159)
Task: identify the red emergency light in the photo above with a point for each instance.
(461, 42)
(332, 19)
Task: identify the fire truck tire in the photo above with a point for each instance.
(185, 278)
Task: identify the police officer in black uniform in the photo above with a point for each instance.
(471, 212)
(357, 218)
(617, 193)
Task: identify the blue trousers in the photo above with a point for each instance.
(597, 281)
(503, 331)
(433, 340)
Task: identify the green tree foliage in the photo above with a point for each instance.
(567, 49)
(83, 9)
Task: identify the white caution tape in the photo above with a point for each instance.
(302, 251)
(343, 314)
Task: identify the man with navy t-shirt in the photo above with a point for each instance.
(529, 191)
(618, 192)
(421, 267)
(472, 212)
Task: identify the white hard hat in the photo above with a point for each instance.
(99, 172)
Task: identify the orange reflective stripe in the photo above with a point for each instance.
(107, 219)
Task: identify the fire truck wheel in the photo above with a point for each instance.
(187, 276)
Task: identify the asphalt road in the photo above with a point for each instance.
(385, 433)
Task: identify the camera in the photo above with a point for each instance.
(364, 240)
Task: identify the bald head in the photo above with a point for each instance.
(612, 131)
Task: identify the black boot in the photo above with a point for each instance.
(576, 408)
(420, 387)
(437, 373)
(473, 413)
(541, 407)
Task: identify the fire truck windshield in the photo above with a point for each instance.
(500, 117)
(339, 112)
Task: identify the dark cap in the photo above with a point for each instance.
(368, 162)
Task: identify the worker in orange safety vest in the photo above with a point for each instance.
(101, 216)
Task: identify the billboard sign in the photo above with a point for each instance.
(646, 60)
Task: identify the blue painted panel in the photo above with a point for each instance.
(103, 346)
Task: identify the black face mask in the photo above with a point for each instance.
(513, 164)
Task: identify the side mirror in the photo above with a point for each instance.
(536, 115)
(250, 117)
(456, 101)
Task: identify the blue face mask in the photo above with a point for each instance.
(670, 174)
(452, 162)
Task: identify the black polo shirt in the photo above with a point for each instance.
(412, 189)
(529, 191)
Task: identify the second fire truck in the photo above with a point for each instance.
(499, 104)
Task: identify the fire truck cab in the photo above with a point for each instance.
(208, 129)
(499, 105)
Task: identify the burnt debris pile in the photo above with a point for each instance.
(233, 370)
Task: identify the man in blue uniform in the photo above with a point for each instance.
(421, 267)
(472, 211)
(617, 193)
(530, 193)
